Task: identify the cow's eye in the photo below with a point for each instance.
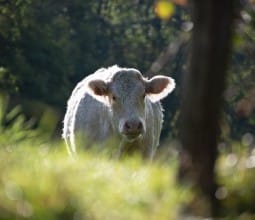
(114, 98)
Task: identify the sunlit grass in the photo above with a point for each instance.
(38, 182)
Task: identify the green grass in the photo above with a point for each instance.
(37, 182)
(40, 181)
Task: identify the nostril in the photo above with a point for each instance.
(127, 126)
(140, 126)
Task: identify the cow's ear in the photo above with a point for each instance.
(99, 87)
(99, 90)
(159, 87)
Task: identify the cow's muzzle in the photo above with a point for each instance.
(132, 129)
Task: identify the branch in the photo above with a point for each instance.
(168, 54)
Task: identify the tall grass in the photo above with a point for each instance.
(41, 183)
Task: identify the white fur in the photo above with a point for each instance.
(92, 117)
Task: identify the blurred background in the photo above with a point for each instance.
(47, 47)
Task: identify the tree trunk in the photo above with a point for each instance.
(202, 94)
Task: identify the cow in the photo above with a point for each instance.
(118, 104)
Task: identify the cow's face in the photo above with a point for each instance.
(125, 95)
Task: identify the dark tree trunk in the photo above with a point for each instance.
(202, 93)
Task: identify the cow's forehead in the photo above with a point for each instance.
(127, 81)
(128, 74)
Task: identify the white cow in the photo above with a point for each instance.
(116, 104)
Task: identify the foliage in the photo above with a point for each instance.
(47, 46)
(13, 125)
(41, 183)
(236, 173)
(240, 116)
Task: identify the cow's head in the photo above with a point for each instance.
(126, 94)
